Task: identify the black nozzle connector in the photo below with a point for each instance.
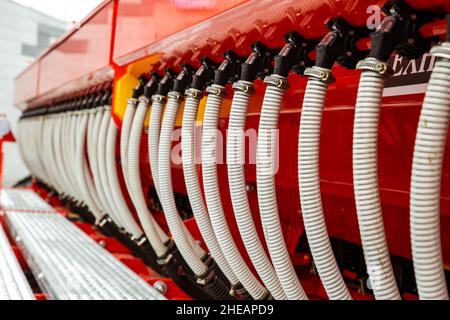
(139, 89)
(183, 80)
(229, 70)
(106, 98)
(339, 45)
(294, 55)
(166, 83)
(399, 32)
(258, 64)
(152, 85)
(204, 75)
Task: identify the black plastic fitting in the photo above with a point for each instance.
(339, 45)
(229, 70)
(204, 75)
(139, 89)
(183, 80)
(217, 289)
(294, 55)
(152, 85)
(399, 32)
(166, 83)
(258, 64)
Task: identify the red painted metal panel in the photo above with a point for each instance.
(144, 22)
(26, 85)
(83, 52)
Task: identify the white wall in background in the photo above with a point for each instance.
(24, 33)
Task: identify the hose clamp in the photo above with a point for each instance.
(244, 87)
(141, 241)
(166, 259)
(144, 100)
(442, 51)
(159, 98)
(216, 90)
(194, 94)
(104, 221)
(205, 278)
(375, 65)
(175, 95)
(322, 74)
(277, 81)
(131, 102)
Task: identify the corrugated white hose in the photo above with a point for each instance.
(59, 147)
(113, 180)
(154, 128)
(365, 180)
(80, 196)
(426, 180)
(193, 186)
(38, 146)
(100, 156)
(309, 185)
(166, 189)
(93, 161)
(56, 134)
(238, 192)
(101, 162)
(81, 144)
(29, 136)
(137, 125)
(267, 199)
(135, 185)
(153, 151)
(125, 136)
(89, 178)
(71, 149)
(213, 198)
(83, 168)
(48, 151)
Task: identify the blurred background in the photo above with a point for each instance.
(27, 28)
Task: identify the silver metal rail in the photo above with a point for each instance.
(69, 265)
(22, 199)
(13, 283)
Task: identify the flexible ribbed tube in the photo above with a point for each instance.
(113, 180)
(135, 184)
(154, 128)
(426, 181)
(89, 179)
(267, 199)
(153, 151)
(193, 187)
(365, 180)
(125, 137)
(101, 165)
(94, 145)
(310, 196)
(81, 143)
(214, 201)
(166, 190)
(238, 192)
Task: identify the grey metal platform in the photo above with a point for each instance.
(69, 265)
(13, 283)
(23, 200)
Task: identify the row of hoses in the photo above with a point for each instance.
(277, 278)
(74, 152)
